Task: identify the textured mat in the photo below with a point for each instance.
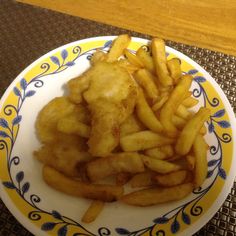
(28, 32)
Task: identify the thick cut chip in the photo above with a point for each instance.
(175, 99)
(143, 140)
(146, 81)
(134, 60)
(183, 112)
(93, 211)
(153, 196)
(146, 59)
(160, 166)
(156, 153)
(171, 179)
(158, 105)
(144, 179)
(60, 182)
(190, 131)
(174, 68)
(118, 47)
(190, 102)
(200, 154)
(146, 115)
(160, 62)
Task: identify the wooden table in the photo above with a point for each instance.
(208, 24)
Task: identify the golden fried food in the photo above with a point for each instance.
(143, 140)
(160, 166)
(200, 154)
(128, 162)
(65, 157)
(109, 105)
(175, 99)
(144, 179)
(131, 125)
(46, 123)
(160, 62)
(127, 120)
(146, 80)
(60, 182)
(93, 211)
(146, 59)
(146, 115)
(190, 130)
(155, 195)
(171, 179)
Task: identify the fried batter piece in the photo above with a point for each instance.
(111, 95)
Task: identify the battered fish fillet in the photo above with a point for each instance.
(111, 96)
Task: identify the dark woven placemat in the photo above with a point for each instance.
(28, 32)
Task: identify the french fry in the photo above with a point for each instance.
(144, 179)
(146, 81)
(123, 62)
(188, 94)
(158, 105)
(181, 161)
(146, 115)
(71, 125)
(200, 153)
(189, 177)
(190, 131)
(60, 182)
(160, 166)
(143, 140)
(159, 57)
(171, 179)
(134, 60)
(93, 211)
(118, 46)
(179, 122)
(128, 162)
(156, 153)
(131, 125)
(168, 150)
(174, 68)
(190, 102)
(122, 178)
(153, 196)
(146, 59)
(191, 162)
(203, 130)
(170, 107)
(183, 112)
(161, 153)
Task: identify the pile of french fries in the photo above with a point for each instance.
(158, 149)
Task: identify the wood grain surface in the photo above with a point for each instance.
(209, 24)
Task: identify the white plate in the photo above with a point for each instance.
(44, 211)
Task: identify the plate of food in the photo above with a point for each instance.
(115, 136)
